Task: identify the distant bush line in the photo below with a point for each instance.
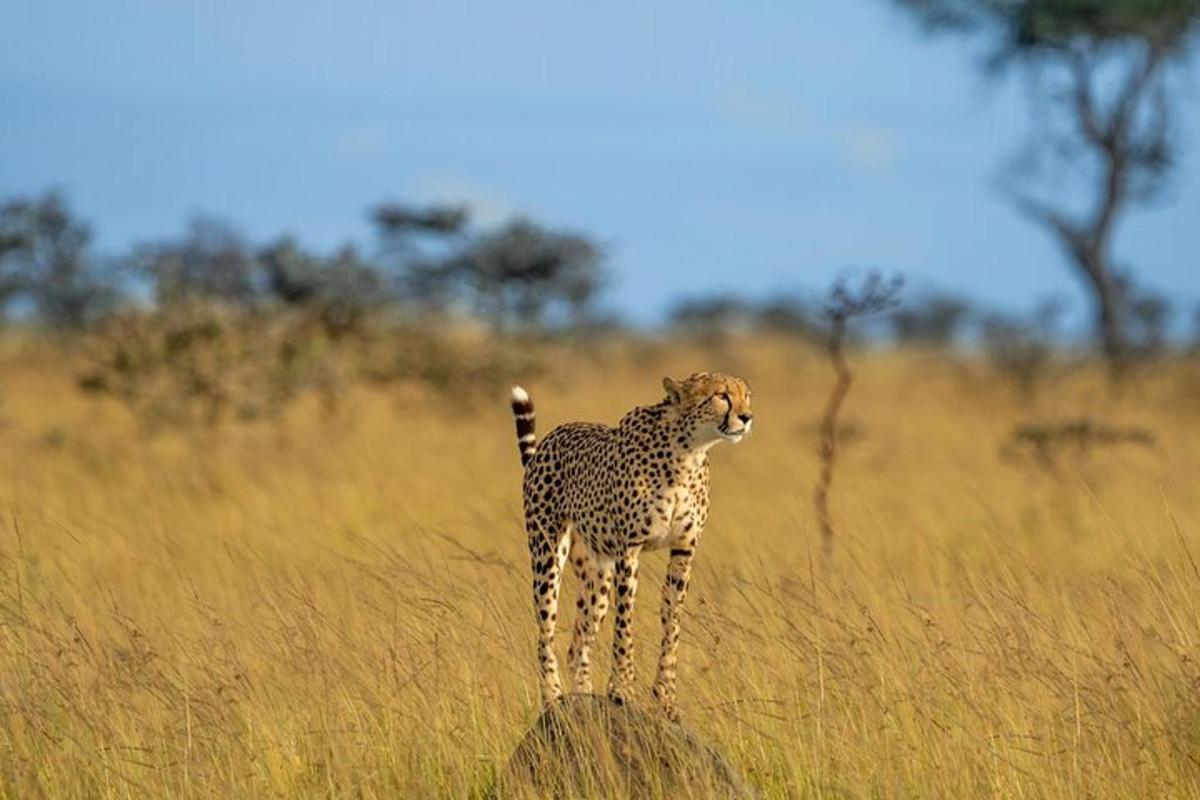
(209, 325)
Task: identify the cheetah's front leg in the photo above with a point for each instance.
(620, 683)
(679, 570)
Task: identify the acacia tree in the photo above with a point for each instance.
(419, 239)
(515, 272)
(1101, 67)
(212, 261)
(339, 291)
(510, 275)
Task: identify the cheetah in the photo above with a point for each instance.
(601, 496)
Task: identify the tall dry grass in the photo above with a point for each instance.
(322, 607)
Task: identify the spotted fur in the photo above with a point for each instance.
(600, 496)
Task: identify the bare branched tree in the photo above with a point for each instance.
(846, 301)
(1100, 70)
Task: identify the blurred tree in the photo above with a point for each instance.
(294, 276)
(341, 291)
(790, 315)
(1147, 316)
(1020, 347)
(1102, 66)
(400, 221)
(846, 301)
(718, 314)
(44, 257)
(934, 320)
(516, 273)
(419, 241)
(212, 261)
(519, 272)
(12, 243)
(711, 315)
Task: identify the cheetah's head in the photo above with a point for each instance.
(713, 406)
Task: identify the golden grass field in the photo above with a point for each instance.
(337, 607)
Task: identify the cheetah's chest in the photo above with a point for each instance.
(667, 518)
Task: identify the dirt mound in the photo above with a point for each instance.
(589, 746)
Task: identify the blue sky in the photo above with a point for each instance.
(755, 147)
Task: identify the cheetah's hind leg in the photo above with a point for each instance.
(548, 547)
(594, 577)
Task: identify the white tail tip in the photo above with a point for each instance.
(520, 395)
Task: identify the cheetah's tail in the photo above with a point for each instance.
(522, 408)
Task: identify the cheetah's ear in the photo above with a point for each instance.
(674, 390)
